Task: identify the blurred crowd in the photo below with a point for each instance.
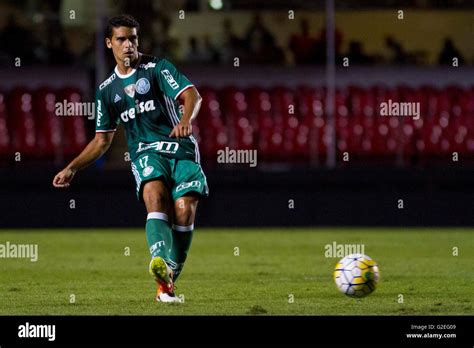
(258, 46)
(41, 40)
(45, 42)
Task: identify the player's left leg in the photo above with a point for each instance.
(183, 228)
(190, 185)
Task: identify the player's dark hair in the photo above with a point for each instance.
(123, 20)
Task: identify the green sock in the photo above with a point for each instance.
(158, 235)
(182, 238)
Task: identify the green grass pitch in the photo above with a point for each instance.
(280, 271)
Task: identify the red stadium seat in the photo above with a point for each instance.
(284, 104)
(466, 102)
(240, 125)
(301, 144)
(260, 107)
(362, 103)
(213, 128)
(311, 101)
(341, 99)
(48, 125)
(210, 107)
(74, 130)
(22, 124)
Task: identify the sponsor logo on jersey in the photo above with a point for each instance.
(185, 185)
(117, 98)
(107, 82)
(147, 66)
(142, 86)
(170, 79)
(160, 146)
(130, 90)
(99, 112)
(147, 171)
(139, 108)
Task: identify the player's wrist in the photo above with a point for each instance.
(73, 170)
(185, 120)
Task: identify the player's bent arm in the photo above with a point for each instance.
(92, 152)
(192, 104)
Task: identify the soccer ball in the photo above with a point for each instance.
(356, 275)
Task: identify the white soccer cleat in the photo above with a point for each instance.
(168, 297)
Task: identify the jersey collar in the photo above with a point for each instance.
(122, 76)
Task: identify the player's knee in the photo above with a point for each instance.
(184, 218)
(161, 199)
(155, 195)
(185, 211)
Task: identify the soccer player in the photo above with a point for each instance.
(142, 93)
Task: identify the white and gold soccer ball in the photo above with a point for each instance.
(356, 275)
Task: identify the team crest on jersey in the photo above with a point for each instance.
(142, 86)
(147, 171)
(130, 90)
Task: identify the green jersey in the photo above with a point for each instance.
(145, 102)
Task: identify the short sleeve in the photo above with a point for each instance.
(104, 121)
(171, 81)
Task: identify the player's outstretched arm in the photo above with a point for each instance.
(192, 103)
(92, 152)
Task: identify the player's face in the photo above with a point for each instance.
(124, 44)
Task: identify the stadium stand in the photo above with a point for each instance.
(282, 123)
